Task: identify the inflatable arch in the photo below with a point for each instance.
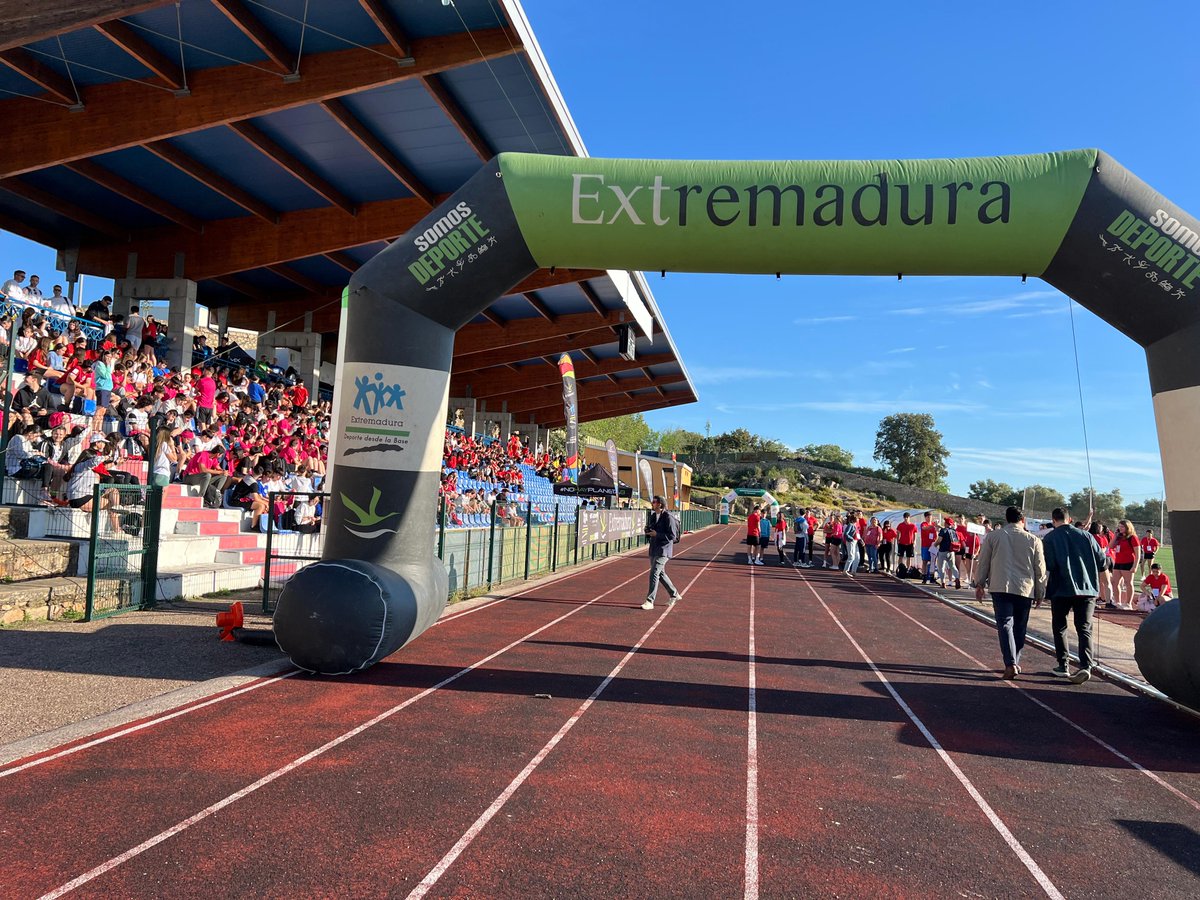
(1076, 219)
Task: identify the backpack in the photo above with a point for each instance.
(948, 541)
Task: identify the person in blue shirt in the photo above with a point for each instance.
(255, 391)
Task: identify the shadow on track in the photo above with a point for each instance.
(1174, 841)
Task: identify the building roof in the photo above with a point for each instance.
(267, 148)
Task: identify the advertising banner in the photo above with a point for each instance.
(637, 475)
(666, 492)
(598, 526)
(675, 482)
(613, 469)
(570, 416)
(647, 476)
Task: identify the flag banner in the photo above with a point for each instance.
(647, 476)
(611, 446)
(570, 416)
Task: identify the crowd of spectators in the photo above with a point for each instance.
(92, 394)
(478, 472)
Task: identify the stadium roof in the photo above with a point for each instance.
(267, 148)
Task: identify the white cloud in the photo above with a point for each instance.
(1031, 464)
(709, 375)
(902, 350)
(1023, 301)
(822, 320)
(854, 406)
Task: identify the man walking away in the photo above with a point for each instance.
(662, 533)
(1073, 564)
(1012, 567)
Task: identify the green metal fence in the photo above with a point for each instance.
(479, 559)
(122, 563)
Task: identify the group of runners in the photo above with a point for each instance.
(945, 547)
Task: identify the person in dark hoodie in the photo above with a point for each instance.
(1073, 564)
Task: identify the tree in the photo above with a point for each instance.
(913, 449)
(828, 453)
(994, 492)
(1041, 498)
(1107, 507)
(679, 440)
(737, 441)
(629, 432)
(1148, 513)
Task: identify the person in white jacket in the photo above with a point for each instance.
(1011, 565)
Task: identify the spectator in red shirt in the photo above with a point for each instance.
(906, 540)
(929, 536)
(752, 549)
(1126, 551)
(1156, 588)
(1149, 548)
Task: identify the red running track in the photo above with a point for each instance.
(778, 733)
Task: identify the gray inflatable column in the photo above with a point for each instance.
(1167, 645)
(380, 583)
(1131, 257)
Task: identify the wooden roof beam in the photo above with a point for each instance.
(388, 27)
(125, 37)
(500, 381)
(592, 297)
(64, 208)
(122, 114)
(300, 280)
(455, 113)
(28, 23)
(607, 407)
(373, 145)
(292, 165)
(134, 193)
(480, 338)
(539, 307)
(519, 352)
(540, 398)
(344, 260)
(277, 54)
(171, 154)
(29, 66)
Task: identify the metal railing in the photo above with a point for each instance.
(288, 548)
(476, 559)
(122, 562)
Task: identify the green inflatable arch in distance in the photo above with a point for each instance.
(1076, 219)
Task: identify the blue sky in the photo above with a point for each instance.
(823, 359)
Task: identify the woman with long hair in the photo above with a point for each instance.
(82, 480)
(1126, 553)
(165, 457)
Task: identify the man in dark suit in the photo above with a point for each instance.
(663, 532)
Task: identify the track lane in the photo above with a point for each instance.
(1069, 802)
(469, 704)
(645, 796)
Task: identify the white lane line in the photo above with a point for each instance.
(1022, 854)
(752, 768)
(1133, 764)
(471, 833)
(144, 725)
(296, 763)
(184, 710)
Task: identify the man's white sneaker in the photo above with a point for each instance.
(759, 562)
(649, 604)
(674, 599)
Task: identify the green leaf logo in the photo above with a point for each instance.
(367, 517)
